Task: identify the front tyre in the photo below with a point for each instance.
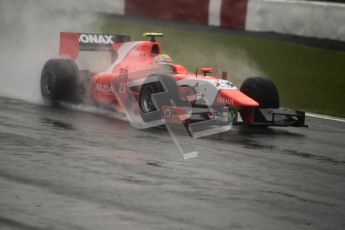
(156, 84)
(60, 81)
(145, 100)
(160, 89)
(262, 90)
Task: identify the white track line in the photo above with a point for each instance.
(325, 117)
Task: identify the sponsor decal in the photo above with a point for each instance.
(103, 88)
(122, 88)
(137, 53)
(233, 114)
(226, 101)
(124, 72)
(96, 39)
(174, 114)
(167, 113)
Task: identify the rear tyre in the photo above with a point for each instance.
(262, 90)
(60, 81)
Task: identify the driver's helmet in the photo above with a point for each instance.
(162, 59)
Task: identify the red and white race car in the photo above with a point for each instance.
(142, 82)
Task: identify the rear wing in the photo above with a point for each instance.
(72, 43)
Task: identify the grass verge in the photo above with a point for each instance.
(310, 79)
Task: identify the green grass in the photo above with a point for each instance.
(309, 79)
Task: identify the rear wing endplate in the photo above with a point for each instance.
(72, 43)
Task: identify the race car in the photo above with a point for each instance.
(143, 83)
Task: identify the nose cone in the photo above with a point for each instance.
(235, 98)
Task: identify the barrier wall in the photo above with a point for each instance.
(226, 13)
(310, 19)
(304, 18)
(193, 11)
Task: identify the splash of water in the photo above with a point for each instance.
(29, 35)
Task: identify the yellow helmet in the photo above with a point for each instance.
(162, 59)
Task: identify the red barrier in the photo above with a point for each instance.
(193, 11)
(234, 13)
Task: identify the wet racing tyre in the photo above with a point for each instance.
(61, 82)
(156, 84)
(262, 90)
(165, 89)
(145, 100)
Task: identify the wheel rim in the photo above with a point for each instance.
(145, 99)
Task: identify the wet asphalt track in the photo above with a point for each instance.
(66, 169)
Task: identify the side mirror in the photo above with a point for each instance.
(206, 70)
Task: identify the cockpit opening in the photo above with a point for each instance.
(155, 49)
